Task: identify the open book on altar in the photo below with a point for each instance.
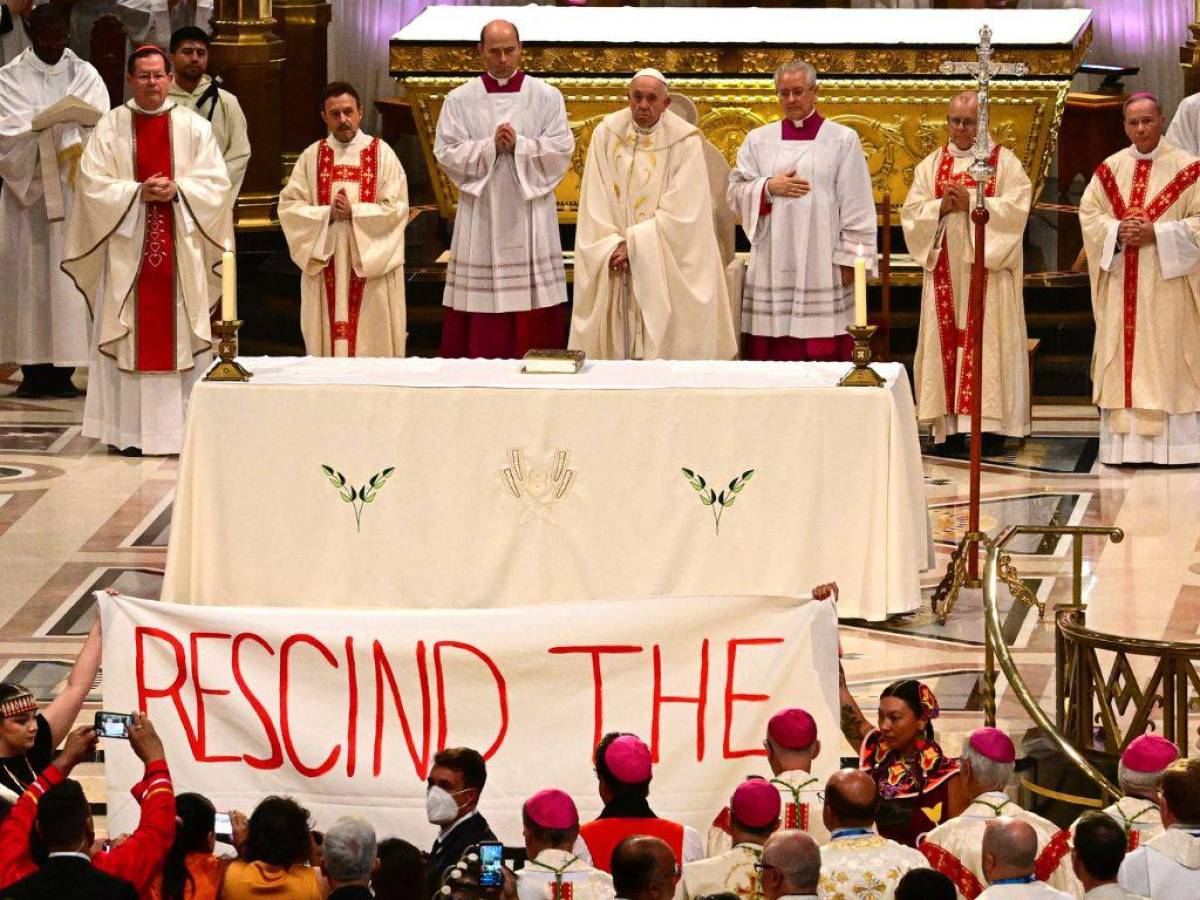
(68, 109)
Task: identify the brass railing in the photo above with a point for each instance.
(999, 568)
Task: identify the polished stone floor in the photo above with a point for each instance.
(75, 517)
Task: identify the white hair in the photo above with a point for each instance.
(797, 65)
(1139, 782)
(987, 773)
(350, 849)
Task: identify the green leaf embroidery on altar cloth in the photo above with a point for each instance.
(357, 497)
(717, 502)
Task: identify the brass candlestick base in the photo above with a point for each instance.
(228, 369)
(862, 375)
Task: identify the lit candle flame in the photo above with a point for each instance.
(860, 253)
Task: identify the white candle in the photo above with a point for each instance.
(228, 285)
(860, 289)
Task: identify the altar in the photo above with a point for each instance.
(466, 483)
(880, 73)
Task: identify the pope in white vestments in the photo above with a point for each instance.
(1141, 229)
(803, 193)
(941, 237)
(43, 320)
(649, 283)
(151, 218)
(344, 212)
(503, 139)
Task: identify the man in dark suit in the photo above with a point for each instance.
(64, 822)
(455, 784)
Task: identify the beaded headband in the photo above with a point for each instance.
(17, 705)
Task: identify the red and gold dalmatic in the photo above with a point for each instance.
(366, 173)
(154, 289)
(1136, 207)
(958, 391)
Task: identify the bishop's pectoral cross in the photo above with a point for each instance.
(983, 70)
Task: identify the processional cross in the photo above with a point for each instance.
(963, 569)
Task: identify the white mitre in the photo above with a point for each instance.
(651, 73)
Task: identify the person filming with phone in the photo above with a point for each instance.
(55, 807)
(455, 784)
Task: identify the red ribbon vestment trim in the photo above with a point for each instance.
(1050, 857)
(1138, 208)
(154, 288)
(949, 865)
(950, 336)
(366, 173)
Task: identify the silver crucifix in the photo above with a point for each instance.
(983, 70)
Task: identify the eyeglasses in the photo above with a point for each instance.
(150, 77)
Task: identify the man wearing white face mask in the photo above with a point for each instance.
(455, 785)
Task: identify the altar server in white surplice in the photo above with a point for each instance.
(150, 219)
(344, 212)
(803, 193)
(941, 237)
(43, 320)
(553, 871)
(649, 283)
(1141, 221)
(504, 141)
(754, 815)
(1009, 851)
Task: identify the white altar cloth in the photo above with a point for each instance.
(507, 486)
(631, 25)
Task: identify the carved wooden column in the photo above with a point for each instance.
(303, 25)
(248, 55)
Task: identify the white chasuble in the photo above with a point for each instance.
(955, 848)
(944, 247)
(506, 253)
(1146, 302)
(1138, 817)
(352, 281)
(857, 863)
(802, 795)
(42, 317)
(143, 268)
(729, 872)
(649, 189)
(793, 284)
(1166, 866)
(561, 875)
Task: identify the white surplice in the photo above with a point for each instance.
(228, 124)
(731, 871)
(649, 188)
(1034, 890)
(369, 321)
(1157, 422)
(1167, 866)
(506, 253)
(103, 255)
(1005, 364)
(541, 876)
(42, 317)
(803, 809)
(864, 865)
(793, 286)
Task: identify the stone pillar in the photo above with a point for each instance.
(248, 55)
(303, 25)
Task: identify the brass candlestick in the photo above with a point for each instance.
(228, 369)
(862, 375)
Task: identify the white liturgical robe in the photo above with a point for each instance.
(224, 113)
(1146, 302)
(505, 254)
(955, 848)
(143, 268)
(944, 247)
(1184, 132)
(1139, 817)
(1166, 866)
(803, 809)
(42, 317)
(1029, 890)
(649, 189)
(164, 18)
(731, 871)
(857, 863)
(793, 284)
(352, 283)
(547, 876)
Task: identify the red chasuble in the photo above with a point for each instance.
(154, 290)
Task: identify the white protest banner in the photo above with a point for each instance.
(344, 709)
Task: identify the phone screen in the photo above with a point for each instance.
(491, 864)
(113, 725)
(223, 828)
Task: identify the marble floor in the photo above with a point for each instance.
(75, 517)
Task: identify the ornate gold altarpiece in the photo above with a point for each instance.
(874, 77)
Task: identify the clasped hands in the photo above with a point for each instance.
(506, 138)
(788, 185)
(341, 210)
(158, 189)
(957, 198)
(1135, 231)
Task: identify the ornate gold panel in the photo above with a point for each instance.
(899, 122)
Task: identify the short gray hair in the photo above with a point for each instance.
(987, 773)
(350, 849)
(1139, 782)
(797, 65)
